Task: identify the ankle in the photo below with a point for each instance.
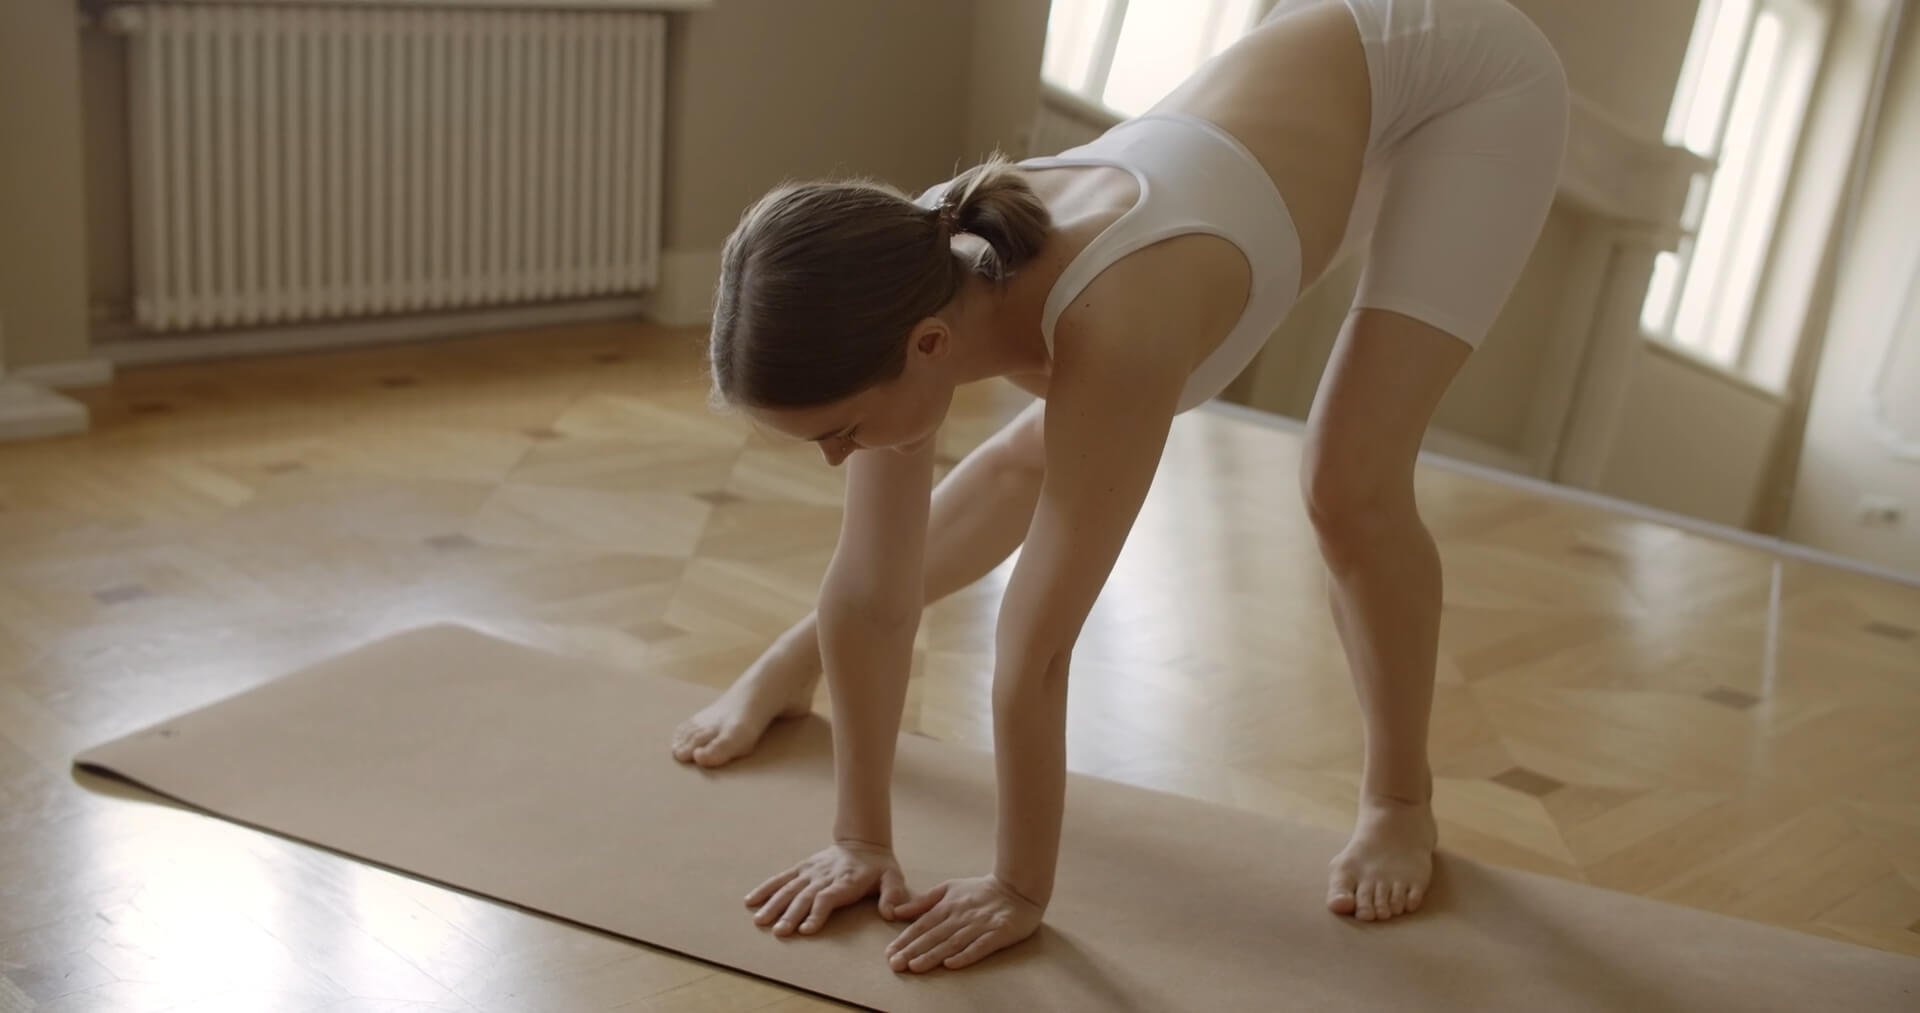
(798, 648)
(1413, 789)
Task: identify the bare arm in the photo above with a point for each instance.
(870, 604)
(1107, 423)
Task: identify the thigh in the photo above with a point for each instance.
(1465, 198)
(1020, 442)
(1376, 399)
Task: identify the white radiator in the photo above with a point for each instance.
(311, 163)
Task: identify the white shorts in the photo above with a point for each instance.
(1463, 158)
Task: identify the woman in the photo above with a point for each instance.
(1124, 282)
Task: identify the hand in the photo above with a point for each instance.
(960, 922)
(802, 897)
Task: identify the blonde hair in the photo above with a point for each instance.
(821, 282)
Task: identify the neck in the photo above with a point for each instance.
(1001, 325)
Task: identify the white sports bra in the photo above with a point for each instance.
(1194, 178)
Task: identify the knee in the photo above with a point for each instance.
(1352, 493)
(1021, 448)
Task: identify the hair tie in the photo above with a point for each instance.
(947, 216)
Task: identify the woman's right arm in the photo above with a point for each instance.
(869, 611)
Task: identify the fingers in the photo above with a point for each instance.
(922, 904)
(825, 902)
(893, 893)
(918, 940)
(961, 938)
(766, 890)
(772, 908)
(983, 946)
(797, 910)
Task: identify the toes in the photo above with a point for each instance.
(1363, 902)
(1340, 896)
(716, 751)
(1415, 894)
(1398, 901)
(1382, 901)
(697, 741)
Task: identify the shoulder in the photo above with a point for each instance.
(1144, 317)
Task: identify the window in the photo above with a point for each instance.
(1125, 55)
(1742, 97)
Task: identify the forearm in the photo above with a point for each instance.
(1030, 749)
(867, 654)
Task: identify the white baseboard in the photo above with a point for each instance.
(68, 375)
(131, 350)
(30, 412)
(1587, 497)
(1466, 448)
(684, 297)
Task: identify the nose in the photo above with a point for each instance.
(835, 452)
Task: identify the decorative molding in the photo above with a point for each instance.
(29, 412)
(1638, 184)
(68, 375)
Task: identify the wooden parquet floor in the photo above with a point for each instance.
(1614, 704)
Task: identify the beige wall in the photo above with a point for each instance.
(1622, 54)
(1009, 37)
(764, 90)
(1841, 461)
(1691, 441)
(43, 258)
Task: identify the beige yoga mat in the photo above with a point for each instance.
(545, 782)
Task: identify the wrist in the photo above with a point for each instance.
(1035, 897)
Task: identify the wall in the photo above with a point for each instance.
(764, 90)
(1840, 461)
(1009, 37)
(42, 235)
(1691, 441)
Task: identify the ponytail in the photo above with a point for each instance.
(991, 201)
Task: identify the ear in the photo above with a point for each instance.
(930, 337)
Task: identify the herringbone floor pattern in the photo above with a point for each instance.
(1614, 705)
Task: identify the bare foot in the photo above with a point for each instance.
(777, 686)
(1384, 870)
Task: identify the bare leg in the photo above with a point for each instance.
(979, 515)
(1386, 378)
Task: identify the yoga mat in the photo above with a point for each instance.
(545, 782)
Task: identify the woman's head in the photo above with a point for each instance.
(828, 310)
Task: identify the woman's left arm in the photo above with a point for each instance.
(1107, 422)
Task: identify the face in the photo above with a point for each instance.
(892, 416)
